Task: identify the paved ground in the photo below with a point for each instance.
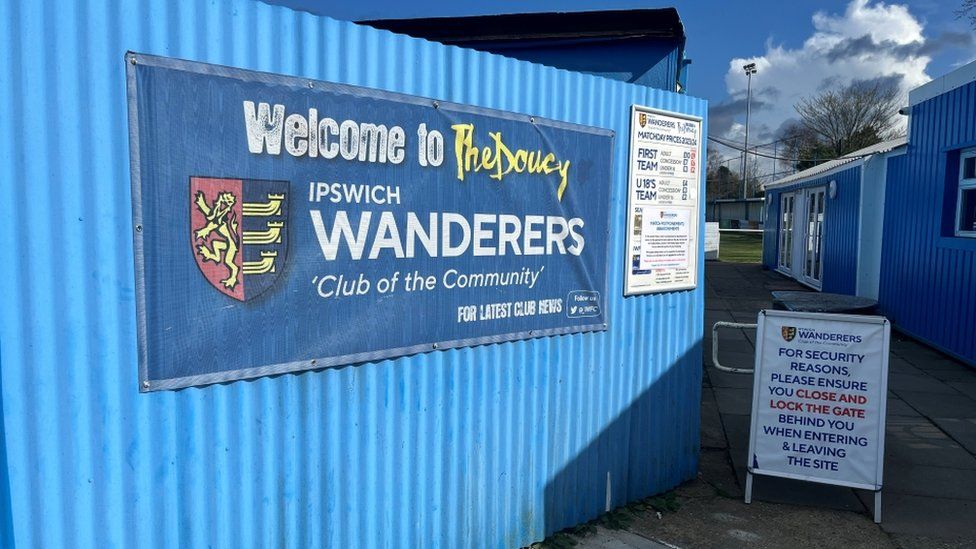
(930, 457)
(620, 539)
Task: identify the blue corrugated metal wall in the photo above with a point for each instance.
(840, 232)
(771, 230)
(927, 275)
(6, 511)
(493, 446)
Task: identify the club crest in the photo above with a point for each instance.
(239, 233)
(642, 119)
(788, 332)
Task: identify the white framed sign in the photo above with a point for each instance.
(664, 176)
(819, 399)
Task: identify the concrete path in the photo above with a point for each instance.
(930, 462)
(930, 449)
(618, 539)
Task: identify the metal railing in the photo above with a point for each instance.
(715, 361)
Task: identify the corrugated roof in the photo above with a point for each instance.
(520, 27)
(882, 147)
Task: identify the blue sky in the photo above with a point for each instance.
(800, 45)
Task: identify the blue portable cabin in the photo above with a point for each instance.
(492, 446)
(928, 264)
(902, 227)
(640, 46)
(824, 224)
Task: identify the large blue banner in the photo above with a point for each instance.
(283, 224)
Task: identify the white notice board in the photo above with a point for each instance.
(819, 396)
(664, 175)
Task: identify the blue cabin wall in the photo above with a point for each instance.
(928, 275)
(490, 446)
(770, 258)
(840, 233)
(6, 506)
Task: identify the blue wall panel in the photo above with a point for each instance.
(6, 511)
(493, 446)
(770, 259)
(928, 275)
(840, 232)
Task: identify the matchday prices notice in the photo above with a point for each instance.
(819, 401)
(664, 172)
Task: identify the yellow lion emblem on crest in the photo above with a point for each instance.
(224, 246)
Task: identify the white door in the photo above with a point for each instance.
(787, 222)
(811, 243)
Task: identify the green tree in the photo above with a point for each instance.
(803, 148)
(720, 180)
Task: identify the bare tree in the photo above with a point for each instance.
(967, 10)
(852, 118)
(755, 174)
(720, 180)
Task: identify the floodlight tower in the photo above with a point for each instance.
(750, 70)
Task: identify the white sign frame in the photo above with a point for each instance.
(639, 284)
(880, 393)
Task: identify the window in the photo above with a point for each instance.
(966, 200)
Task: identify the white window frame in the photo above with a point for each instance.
(784, 251)
(964, 184)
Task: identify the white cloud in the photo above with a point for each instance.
(736, 132)
(880, 21)
(868, 41)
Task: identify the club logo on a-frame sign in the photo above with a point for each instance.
(239, 233)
